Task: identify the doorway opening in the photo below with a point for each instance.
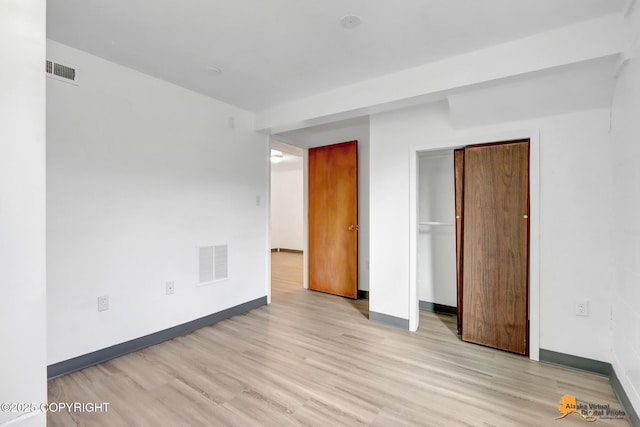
(286, 217)
(319, 135)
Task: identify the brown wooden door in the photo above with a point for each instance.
(333, 219)
(458, 167)
(495, 246)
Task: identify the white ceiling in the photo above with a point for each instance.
(271, 52)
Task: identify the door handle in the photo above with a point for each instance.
(352, 228)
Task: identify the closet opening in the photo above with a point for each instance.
(433, 242)
(436, 237)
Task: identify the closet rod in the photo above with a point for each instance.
(435, 223)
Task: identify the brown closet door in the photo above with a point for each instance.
(458, 167)
(495, 246)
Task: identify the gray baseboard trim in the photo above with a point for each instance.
(438, 308)
(616, 385)
(100, 356)
(594, 367)
(575, 362)
(386, 319)
(363, 294)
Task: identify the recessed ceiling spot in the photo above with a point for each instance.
(213, 70)
(350, 21)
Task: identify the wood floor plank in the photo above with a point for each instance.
(315, 359)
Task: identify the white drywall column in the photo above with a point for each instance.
(22, 208)
(625, 311)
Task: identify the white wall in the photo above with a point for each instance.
(363, 212)
(22, 207)
(287, 202)
(436, 244)
(139, 173)
(626, 228)
(391, 135)
(575, 242)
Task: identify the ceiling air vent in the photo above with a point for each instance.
(65, 73)
(213, 263)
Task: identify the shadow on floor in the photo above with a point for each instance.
(450, 321)
(362, 305)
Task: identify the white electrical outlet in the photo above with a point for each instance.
(581, 308)
(103, 303)
(170, 288)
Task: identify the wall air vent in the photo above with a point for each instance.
(65, 73)
(213, 263)
(220, 262)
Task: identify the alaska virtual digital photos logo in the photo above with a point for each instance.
(588, 411)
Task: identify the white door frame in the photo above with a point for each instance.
(534, 222)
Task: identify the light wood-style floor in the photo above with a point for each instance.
(315, 359)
